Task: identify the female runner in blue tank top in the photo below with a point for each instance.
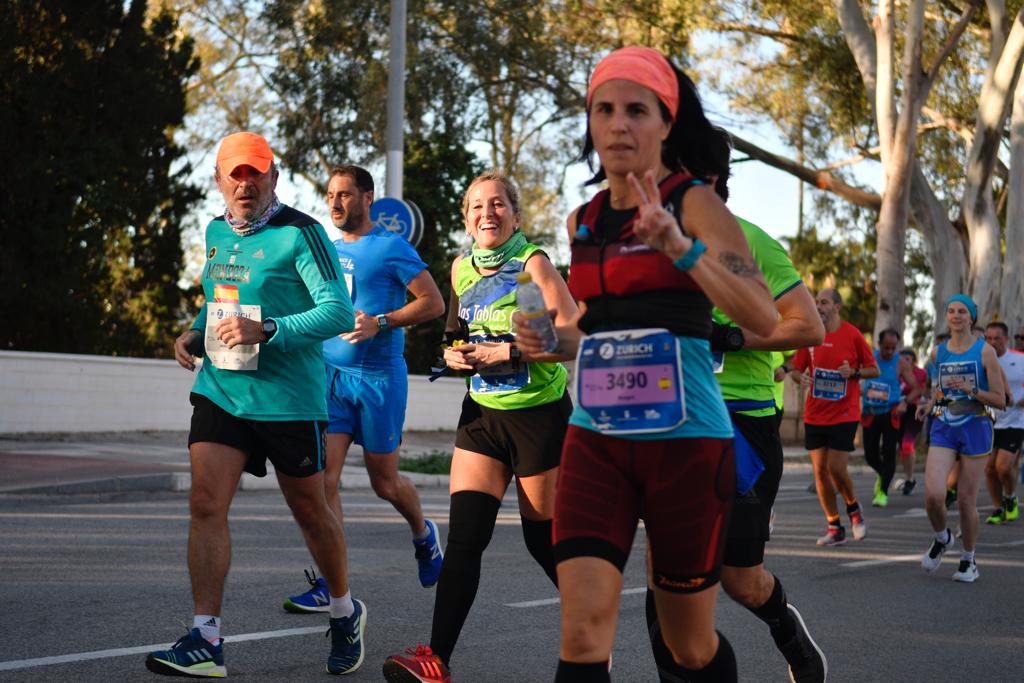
(655, 250)
(968, 379)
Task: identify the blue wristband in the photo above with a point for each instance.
(689, 259)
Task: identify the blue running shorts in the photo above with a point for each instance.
(371, 409)
(971, 439)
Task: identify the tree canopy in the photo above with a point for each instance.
(91, 202)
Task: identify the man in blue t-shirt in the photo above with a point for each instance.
(367, 379)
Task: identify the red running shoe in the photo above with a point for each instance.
(422, 667)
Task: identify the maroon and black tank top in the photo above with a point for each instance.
(625, 283)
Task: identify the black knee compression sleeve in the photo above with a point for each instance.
(538, 541)
(471, 523)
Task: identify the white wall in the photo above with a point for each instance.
(55, 392)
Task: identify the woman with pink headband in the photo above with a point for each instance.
(650, 436)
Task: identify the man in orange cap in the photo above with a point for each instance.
(273, 296)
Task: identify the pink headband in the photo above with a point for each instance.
(641, 65)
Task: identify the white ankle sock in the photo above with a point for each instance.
(423, 534)
(208, 625)
(967, 555)
(343, 606)
(941, 537)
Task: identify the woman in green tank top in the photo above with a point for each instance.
(514, 415)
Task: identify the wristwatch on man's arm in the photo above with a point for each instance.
(269, 329)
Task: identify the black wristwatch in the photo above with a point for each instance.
(856, 374)
(974, 391)
(514, 354)
(382, 322)
(269, 328)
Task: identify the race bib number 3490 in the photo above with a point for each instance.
(631, 381)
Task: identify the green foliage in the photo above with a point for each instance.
(90, 208)
(432, 463)
(845, 264)
(437, 172)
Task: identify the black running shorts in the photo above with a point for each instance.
(295, 447)
(528, 440)
(751, 514)
(683, 489)
(1008, 439)
(838, 437)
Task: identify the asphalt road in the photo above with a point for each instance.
(92, 583)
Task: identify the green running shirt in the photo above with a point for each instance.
(749, 375)
(487, 304)
(289, 269)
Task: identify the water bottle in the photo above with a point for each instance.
(530, 301)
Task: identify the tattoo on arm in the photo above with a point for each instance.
(738, 265)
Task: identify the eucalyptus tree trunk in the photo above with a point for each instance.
(978, 204)
(1012, 286)
(947, 249)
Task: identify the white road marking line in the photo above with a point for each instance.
(504, 519)
(884, 560)
(554, 601)
(145, 649)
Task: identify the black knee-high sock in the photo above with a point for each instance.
(537, 535)
(471, 523)
(775, 613)
(721, 668)
(662, 656)
(574, 672)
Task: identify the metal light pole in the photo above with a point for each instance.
(396, 100)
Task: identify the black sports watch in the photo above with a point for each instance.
(269, 328)
(382, 322)
(514, 354)
(974, 391)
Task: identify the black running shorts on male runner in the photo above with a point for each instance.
(1008, 439)
(751, 514)
(295, 447)
(683, 489)
(529, 440)
(837, 437)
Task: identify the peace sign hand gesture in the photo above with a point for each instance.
(655, 226)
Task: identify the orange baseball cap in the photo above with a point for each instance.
(244, 149)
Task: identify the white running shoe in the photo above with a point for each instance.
(967, 572)
(933, 558)
(859, 524)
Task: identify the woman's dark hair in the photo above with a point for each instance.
(692, 143)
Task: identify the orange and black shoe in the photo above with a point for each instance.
(422, 666)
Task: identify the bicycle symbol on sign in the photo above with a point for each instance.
(393, 223)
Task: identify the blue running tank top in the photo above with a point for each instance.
(968, 368)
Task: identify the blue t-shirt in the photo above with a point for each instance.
(377, 269)
(881, 394)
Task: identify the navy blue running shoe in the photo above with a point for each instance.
(429, 555)
(316, 599)
(192, 655)
(347, 641)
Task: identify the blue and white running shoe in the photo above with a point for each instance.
(347, 641)
(316, 599)
(429, 555)
(192, 655)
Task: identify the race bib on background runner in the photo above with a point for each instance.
(631, 381)
(876, 394)
(243, 356)
(828, 385)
